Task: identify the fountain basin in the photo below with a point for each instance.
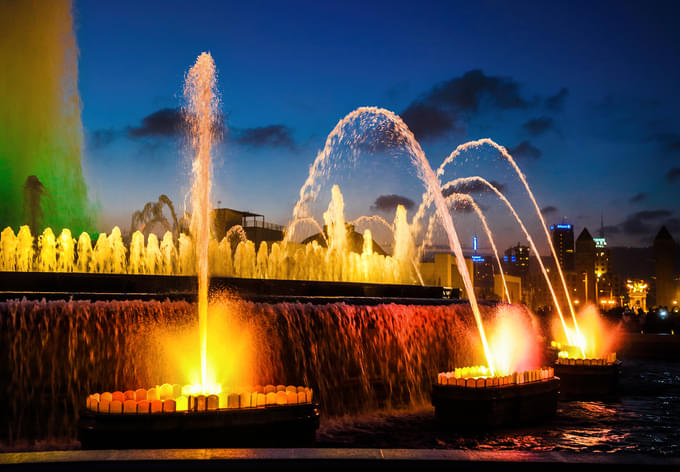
(487, 403)
(272, 425)
(588, 378)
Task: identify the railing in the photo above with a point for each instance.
(262, 224)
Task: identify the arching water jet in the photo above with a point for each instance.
(392, 125)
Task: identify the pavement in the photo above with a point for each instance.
(327, 459)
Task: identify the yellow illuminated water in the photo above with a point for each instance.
(201, 113)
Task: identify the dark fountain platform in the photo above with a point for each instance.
(484, 408)
(89, 286)
(274, 425)
(583, 381)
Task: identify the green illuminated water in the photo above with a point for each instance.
(40, 125)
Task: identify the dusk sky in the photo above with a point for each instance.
(583, 94)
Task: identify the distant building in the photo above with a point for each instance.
(601, 253)
(516, 261)
(355, 240)
(664, 261)
(563, 242)
(601, 256)
(443, 272)
(483, 276)
(253, 224)
(584, 265)
(514, 284)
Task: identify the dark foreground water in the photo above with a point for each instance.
(645, 418)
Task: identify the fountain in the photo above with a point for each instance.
(590, 368)
(41, 182)
(198, 414)
(356, 327)
(111, 258)
(521, 391)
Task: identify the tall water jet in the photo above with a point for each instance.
(41, 133)
(201, 112)
(334, 219)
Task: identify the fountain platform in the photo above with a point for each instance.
(587, 381)
(72, 285)
(472, 408)
(274, 425)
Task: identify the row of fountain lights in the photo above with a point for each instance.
(569, 355)
(169, 398)
(481, 376)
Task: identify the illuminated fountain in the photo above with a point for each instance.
(199, 413)
(281, 261)
(520, 391)
(347, 352)
(588, 367)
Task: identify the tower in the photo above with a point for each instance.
(563, 242)
(584, 264)
(664, 257)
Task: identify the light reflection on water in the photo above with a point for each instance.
(645, 418)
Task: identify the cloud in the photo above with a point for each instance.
(465, 206)
(273, 136)
(538, 126)
(426, 121)
(167, 123)
(389, 203)
(467, 92)
(525, 150)
(641, 222)
(673, 175)
(437, 111)
(638, 197)
(549, 210)
(164, 123)
(556, 102)
(473, 186)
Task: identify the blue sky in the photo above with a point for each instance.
(585, 93)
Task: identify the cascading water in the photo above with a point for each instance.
(357, 358)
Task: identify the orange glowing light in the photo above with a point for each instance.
(514, 341)
(595, 339)
(231, 357)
